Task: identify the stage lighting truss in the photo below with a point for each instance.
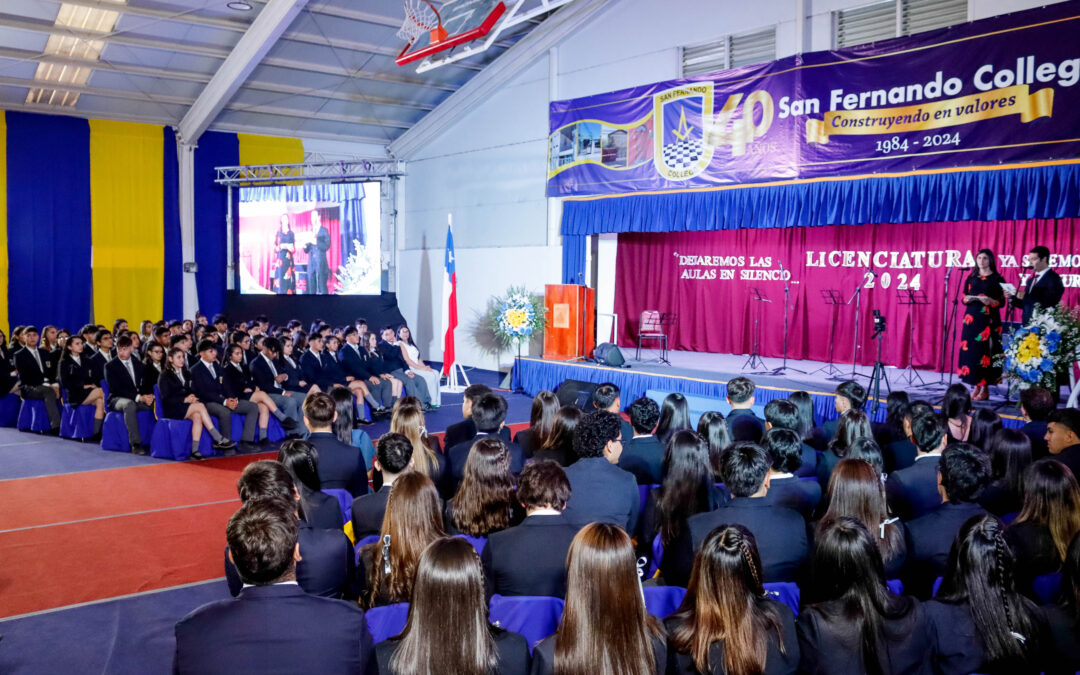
(349, 171)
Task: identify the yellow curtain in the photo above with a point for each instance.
(126, 216)
(257, 150)
(3, 227)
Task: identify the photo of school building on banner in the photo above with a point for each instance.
(999, 90)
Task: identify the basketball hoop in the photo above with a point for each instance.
(421, 17)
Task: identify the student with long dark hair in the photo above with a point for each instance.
(981, 623)
(179, 403)
(855, 621)
(956, 413)
(559, 445)
(984, 423)
(1064, 618)
(715, 430)
(604, 628)
(1047, 523)
(901, 453)
(855, 491)
(448, 629)
(727, 623)
(810, 432)
(852, 425)
(545, 406)
(785, 488)
(79, 386)
(484, 501)
(674, 417)
(1010, 455)
(687, 490)
(320, 510)
(869, 451)
(896, 405)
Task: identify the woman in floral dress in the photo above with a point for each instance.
(980, 338)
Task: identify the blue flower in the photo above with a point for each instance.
(1009, 363)
(1047, 365)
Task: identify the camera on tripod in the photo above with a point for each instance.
(879, 323)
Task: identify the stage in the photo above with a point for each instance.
(705, 376)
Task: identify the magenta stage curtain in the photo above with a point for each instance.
(707, 279)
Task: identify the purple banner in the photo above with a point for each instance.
(983, 93)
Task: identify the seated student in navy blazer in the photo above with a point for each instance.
(599, 489)
(178, 402)
(530, 559)
(1063, 438)
(101, 354)
(1036, 404)
(318, 509)
(326, 565)
(78, 384)
(272, 626)
(295, 377)
(32, 364)
(785, 487)
(489, 416)
(313, 367)
(781, 413)
(900, 453)
(745, 425)
(608, 397)
(380, 394)
(207, 381)
(126, 377)
(393, 456)
(850, 395)
(462, 431)
(781, 533)
(341, 466)
(913, 491)
(269, 376)
(963, 472)
(643, 455)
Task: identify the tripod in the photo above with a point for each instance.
(832, 298)
(878, 375)
(913, 299)
(755, 361)
(857, 297)
(787, 301)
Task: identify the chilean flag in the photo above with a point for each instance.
(449, 307)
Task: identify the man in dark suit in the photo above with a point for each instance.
(268, 377)
(462, 431)
(312, 367)
(125, 377)
(1036, 404)
(318, 265)
(206, 384)
(780, 532)
(341, 466)
(781, 413)
(745, 425)
(901, 453)
(530, 559)
(1044, 287)
(850, 395)
(393, 455)
(913, 492)
(489, 417)
(608, 397)
(273, 625)
(963, 473)
(390, 351)
(1063, 438)
(32, 364)
(381, 397)
(643, 455)
(786, 489)
(599, 489)
(101, 355)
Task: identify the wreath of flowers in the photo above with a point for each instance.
(1036, 353)
(517, 316)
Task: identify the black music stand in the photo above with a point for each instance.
(914, 299)
(758, 297)
(668, 321)
(831, 297)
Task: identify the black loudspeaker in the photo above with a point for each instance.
(607, 354)
(576, 392)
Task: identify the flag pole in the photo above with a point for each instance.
(451, 368)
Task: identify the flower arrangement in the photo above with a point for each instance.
(1036, 353)
(360, 272)
(516, 317)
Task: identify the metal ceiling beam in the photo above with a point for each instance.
(353, 14)
(281, 62)
(248, 52)
(161, 11)
(498, 73)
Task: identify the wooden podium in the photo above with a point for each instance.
(571, 327)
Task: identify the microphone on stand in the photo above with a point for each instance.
(870, 270)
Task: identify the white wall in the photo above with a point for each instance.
(488, 169)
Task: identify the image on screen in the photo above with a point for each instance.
(310, 239)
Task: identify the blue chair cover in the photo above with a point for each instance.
(786, 592)
(114, 434)
(77, 422)
(657, 557)
(171, 439)
(387, 621)
(1009, 517)
(33, 416)
(662, 601)
(896, 587)
(533, 616)
(370, 539)
(937, 585)
(478, 543)
(643, 493)
(344, 498)
(813, 478)
(1046, 587)
(9, 410)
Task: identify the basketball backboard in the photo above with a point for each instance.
(463, 21)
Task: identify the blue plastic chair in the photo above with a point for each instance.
(33, 416)
(387, 621)
(478, 543)
(77, 422)
(344, 498)
(662, 601)
(114, 435)
(171, 439)
(9, 410)
(896, 587)
(937, 585)
(786, 592)
(370, 539)
(535, 617)
(657, 557)
(274, 431)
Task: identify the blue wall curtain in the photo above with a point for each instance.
(48, 165)
(215, 149)
(173, 302)
(573, 258)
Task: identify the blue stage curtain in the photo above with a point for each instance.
(173, 301)
(1007, 194)
(349, 195)
(215, 149)
(48, 182)
(573, 258)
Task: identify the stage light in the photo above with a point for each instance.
(239, 5)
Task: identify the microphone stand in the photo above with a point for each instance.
(787, 299)
(857, 297)
(950, 329)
